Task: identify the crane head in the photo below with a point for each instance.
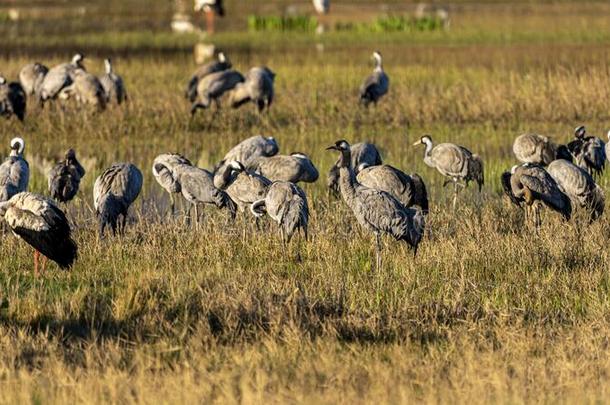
(339, 145)
(580, 132)
(424, 140)
(70, 154)
(18, 145)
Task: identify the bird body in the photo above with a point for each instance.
(248, 151)
(212, 87)
(361, 153)
(64, 178)
(321, 6)
(41, 224)
(59, 77)
(410, 190)
(14, 171)
(257, 87)
(286, 204)
(589, 152)
(86, 89)
(197, 186)
(222, 63)
(113, 192)
(243, 186)
(214, 6)
(31, 77)
(12, 99)
(376, 85)
(166, 170)
(292, 168)
(534, 148)
(579, 186)
(114, 88)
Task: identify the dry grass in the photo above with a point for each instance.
(489, 310)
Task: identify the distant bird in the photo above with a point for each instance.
(531, 185)
(166, 170)
(86, 90)
(42, 225)
(113, 192)
(12, 99)
(286, 204)
(243, 186)
(453, 161)
(294, 168)
(213, 86)
(410, 190)
(363, 152)
(257, 88)
(538, 149)
(60, 77)
(376, 85)
(222, 63)
(321, 6)
(64, 178)
(14, 171)
(31, 77)
(579, 186)
(210, 8)
(588, 151)
(197, 186)
(113, 85)
(248, 151)
(377, 211)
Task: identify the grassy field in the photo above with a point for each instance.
(488, 311)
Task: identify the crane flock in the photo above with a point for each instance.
(253, 178)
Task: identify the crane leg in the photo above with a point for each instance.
(455, 194)
(36, 254)
(378, 243)
(197, 215)
(172, 204)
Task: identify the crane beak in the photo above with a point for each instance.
(332, 148)
(417, 143)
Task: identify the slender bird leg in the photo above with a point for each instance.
(196, 216)
(455, 194)
(378, 240)
(209, 21)
(537, 215)
(36, 254)
(44, 264)
(172, 204)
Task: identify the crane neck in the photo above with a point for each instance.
(347, 177)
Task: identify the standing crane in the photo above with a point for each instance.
(64, 178)
(589, 151)
(166, 170)
(212, 87)
(14, 171)
(113, 85)
(248, 151)
(377, 211)
(222, 63)
(243, 186)
(60, 77)
(293, 168)
(362, 153)
(12, 99)
(258, 88)
(376, 85)
(31, 77)
(197, 186)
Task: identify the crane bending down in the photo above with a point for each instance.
(377, 211)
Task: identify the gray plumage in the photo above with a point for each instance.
(197, 186)
(376, 85)
(410, 190)
(64, 178)
(531, 184)
(377, 211)
(12, 99)
(86, 89)
(14, 171)
(579, 186)
(113, 192)
(294, 168)
(212, 87)
(59, 77)
(361, 153)
(248, 151)
(534, 148)
(219, 65)
(286, 204)
(114, 88)
(588, 151)
(166, 169)
(31, 77)
(258, 88)
(41, 224)
(243, 186)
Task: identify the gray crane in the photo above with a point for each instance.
(538, 149)
(31, 77)
(222, 63)
(60, 77)
(64, 178)
(410, 190)
(113, 192)
(212, 87)
(197, 186)
(453, 161)
(362, 152)
(86, 90)
(166, 170)
(14, 171)
(294, 168)
(248, 151)
(376, 85)
(377, 211)
(588, 151)
(321, 6)
(12, 99)
(42, 225)
(113, 85)
(243, 186)
(531, 185)
(286, 204)
(579, 186)
(258, 88)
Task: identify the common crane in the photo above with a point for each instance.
(14, 171)
(376, 85)
(166, 170)
(31, 77)
(321, 6)
(60, 77)
(588, 151)
(113, 85)
(294, 168)
(243, 186)
(538, 149)
(362, 152)
(197, 186)
(64, 178)
(12, 99)
(86, 90)
(212, 87)
(222, 63)
(257, 88)
(248, 151)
